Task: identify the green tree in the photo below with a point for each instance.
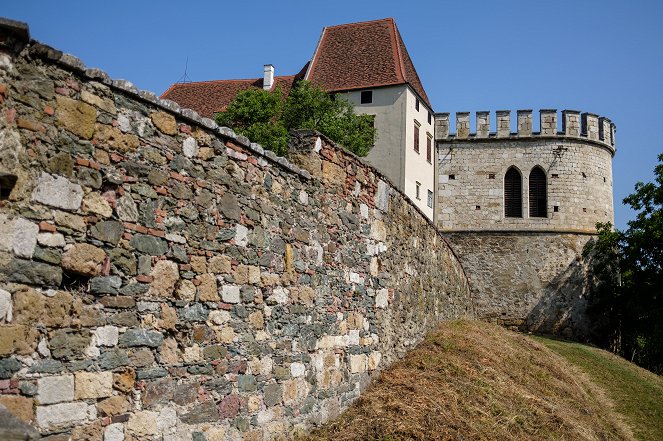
(266, 118)
(628, 300)
(256, 113)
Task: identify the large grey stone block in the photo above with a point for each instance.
(62, 414)
(18, 235)
(55, 389)
(56, 191)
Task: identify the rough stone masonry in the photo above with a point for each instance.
(165, 279)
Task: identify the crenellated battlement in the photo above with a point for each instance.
(575, 124)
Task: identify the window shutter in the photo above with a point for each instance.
(513, 199)
(538, 203)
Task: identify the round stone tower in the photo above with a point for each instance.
(519, 207)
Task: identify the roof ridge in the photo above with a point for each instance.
(414, 81)
(346, 25)
(230, 80)
(399, 55)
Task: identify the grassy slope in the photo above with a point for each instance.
(637, 393)
(477, 381)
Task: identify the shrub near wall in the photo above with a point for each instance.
(165, 279)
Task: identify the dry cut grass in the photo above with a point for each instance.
(477, 381)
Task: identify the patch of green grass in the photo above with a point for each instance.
(637, 393)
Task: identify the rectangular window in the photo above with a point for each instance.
(416, 137)
(430, 199)
(429, 148)
(430, 118)
(416, 105)
(366, 97)
(418, 190)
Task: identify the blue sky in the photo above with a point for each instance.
(604, 57)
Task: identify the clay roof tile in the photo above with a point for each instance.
(209, 97)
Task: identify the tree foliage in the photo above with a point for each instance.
(266, 118)
(256, 113)
(628, 301)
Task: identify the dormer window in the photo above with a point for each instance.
(366, 97)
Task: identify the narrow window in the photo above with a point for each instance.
(416, 105)
(513, 196)
(429, 148)
(416, 137)
(430, 118)
(418, 190)
(537, 193)
(430, 199)
(366, 97)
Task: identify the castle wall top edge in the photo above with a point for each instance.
(575, 125)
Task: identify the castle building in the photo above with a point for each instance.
(518, 208)
(366, 63)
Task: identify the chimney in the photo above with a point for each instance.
(268, 79)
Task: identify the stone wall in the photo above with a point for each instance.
(163, 278)
(531, 281)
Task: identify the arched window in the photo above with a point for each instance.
(538, 201)
(513, 193)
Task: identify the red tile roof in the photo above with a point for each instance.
(350, 56)
(363, 55)
(209, 97)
